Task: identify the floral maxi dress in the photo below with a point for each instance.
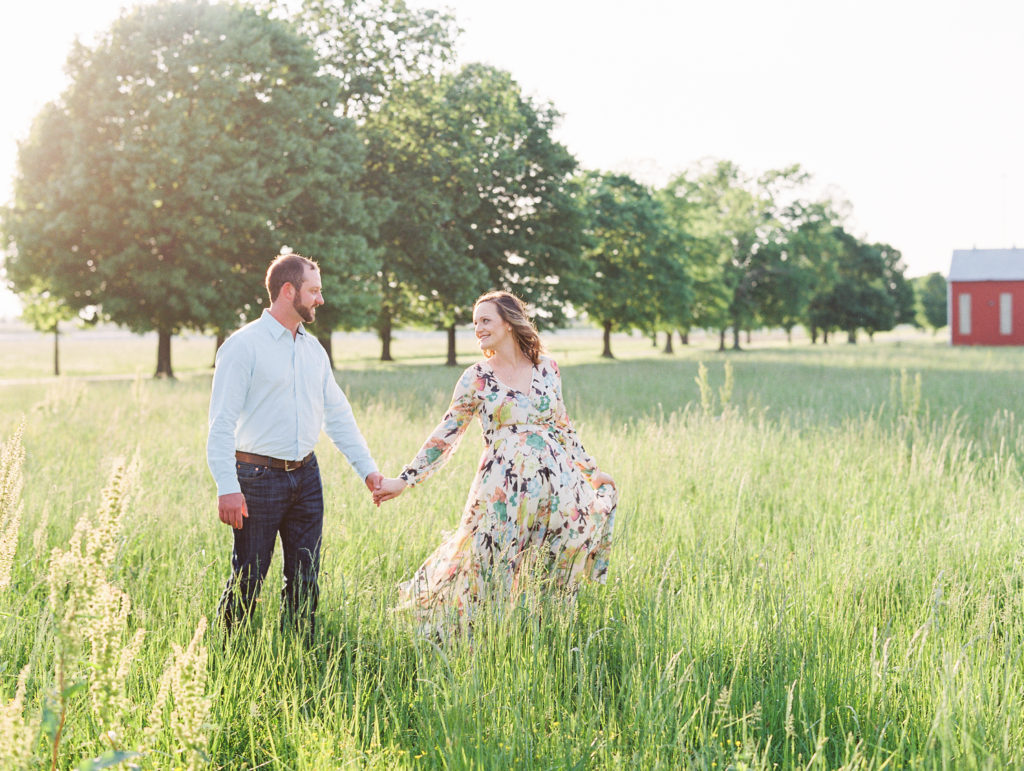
(531, 505)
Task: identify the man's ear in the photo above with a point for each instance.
(288, 290)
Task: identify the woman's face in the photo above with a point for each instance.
(491, 330)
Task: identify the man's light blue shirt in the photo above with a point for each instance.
(271, 396)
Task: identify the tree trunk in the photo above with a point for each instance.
(736, 338)
(221, 337)
(56, 349)
(452, 362)
(654, 339)
(384, 332)
(814, 335)
(721, 339)
(607, 352)
(163, 355)
(325, 341)
(668, 343)
(851, 336)
(824, 336)
(684, 337)
(748, 337)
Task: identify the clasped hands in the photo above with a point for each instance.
(388, 489)
(383, 489)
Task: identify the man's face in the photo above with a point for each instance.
(309, 297)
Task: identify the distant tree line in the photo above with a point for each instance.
(195, 141)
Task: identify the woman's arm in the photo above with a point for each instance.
(442, 441)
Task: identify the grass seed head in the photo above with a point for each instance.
(17, 735)
(12, 461)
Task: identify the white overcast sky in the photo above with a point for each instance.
(913, 110)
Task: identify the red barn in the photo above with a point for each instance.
(986, 297)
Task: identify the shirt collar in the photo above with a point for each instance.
(275, 327)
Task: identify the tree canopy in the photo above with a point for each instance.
(195, 141)
(482, 199)
(933, 294)
(636, 271)
(190, 146)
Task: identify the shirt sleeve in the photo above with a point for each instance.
(232, 375)
(567, 435)
(340, 425)
(445, 438)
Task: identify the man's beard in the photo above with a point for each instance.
(306, 312)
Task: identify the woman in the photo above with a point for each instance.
(538, 502)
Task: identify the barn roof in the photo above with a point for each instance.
(987, 265)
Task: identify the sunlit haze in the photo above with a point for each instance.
(909, 110)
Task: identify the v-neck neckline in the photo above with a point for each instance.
(529, 386)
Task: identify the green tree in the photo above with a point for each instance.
(515, 209)
(797, 263)
(191, 144)
(44, 312)
(823, 241)
(674, 293)
(744, 272)
(731, 218)
(626, 255)
(869, 290)
(371, 47)
(778, 284)
(486, 199)
(933, 297)
(898, 288)
(374, 49)
(693, 225)
(732, 214)
(422, 257)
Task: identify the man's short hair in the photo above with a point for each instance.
(287, 269)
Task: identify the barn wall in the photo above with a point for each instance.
(985, 312)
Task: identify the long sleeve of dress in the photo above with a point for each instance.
(567, 435)
(445, 438)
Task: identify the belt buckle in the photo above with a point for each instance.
(291, 465)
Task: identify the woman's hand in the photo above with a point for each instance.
(599, 478)
(388, 489)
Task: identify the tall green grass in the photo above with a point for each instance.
(823, 571)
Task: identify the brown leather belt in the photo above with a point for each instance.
(263, 460)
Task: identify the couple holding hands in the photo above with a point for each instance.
(538, 504)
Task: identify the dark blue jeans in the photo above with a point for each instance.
(289, 503)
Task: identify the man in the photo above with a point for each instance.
(273, 390)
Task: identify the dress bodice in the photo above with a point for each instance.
(503, 411)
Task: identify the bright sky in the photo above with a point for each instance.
(910, 109)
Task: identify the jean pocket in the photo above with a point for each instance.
(250, 470)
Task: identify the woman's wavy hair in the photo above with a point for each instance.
(513, 313)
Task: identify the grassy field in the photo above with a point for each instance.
(820, 568)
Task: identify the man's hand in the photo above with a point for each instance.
(389, 488)
(372, 483)
(232, 509)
